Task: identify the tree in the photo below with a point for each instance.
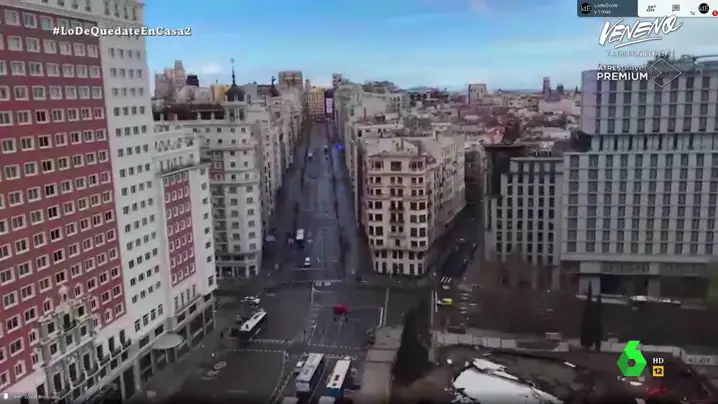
(587, 325)
(423, 310)
(598, 324)
(412, 357)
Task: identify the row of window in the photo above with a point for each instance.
(639, 161)
(21, 68)
(180, 274)
(379, 244)
(131, 92)
(41, 93)
(31, 168)
(43, 116)
(10, 275)
(146, 317)
(37, 217)
(635, 248)
(23, 246)
(697, 185)
(27, 143)
(16, 198)
(412, 205)
(27, 291)
(44, 22)
(37, 69)
(49, 46)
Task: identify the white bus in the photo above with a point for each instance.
(335, 387)
(300, 238)
(310, 375)
(250, 328)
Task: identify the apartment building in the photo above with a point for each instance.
(411, 190)
(291, 79)
(476, 92)
(248, 144)
(170, 79)
(640, 206)
(105, 270)
(315, 103)
(526, 226)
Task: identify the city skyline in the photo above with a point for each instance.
(446, 44)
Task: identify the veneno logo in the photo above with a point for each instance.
(620, 35)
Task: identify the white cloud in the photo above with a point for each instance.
(211, 68)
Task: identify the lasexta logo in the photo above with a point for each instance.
(631, 362)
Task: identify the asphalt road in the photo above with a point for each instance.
(300, 316)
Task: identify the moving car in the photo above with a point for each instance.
(445, 302)
(326, 149)
(253, 300)
(307, 262)
(340, 309)
(310, 155)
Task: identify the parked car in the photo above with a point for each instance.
(307, 262)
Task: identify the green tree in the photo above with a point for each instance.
(412, 357)
(598, 324)
(587, 325)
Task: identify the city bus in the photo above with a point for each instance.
(300, 238)
(310, 375)
(338, 379)
(250, 328)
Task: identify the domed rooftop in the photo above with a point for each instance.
(235, 93)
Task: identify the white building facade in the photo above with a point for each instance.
(249, 147)
(107, 314)
(640, 207)
(412, 188)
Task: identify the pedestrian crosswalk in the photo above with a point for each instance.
(445, 280)
(270, 341)
(347, 347)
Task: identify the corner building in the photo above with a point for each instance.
(104, 270)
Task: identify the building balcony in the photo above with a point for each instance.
(170, 168)
(397, 235)
(417, 197)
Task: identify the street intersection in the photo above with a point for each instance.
(300, 317)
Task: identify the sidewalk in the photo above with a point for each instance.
(168, 381)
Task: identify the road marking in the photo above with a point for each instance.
(357, 348)
(279, 387)
(446, 280)
(270, 341)
(386, 306)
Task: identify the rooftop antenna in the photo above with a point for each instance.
(234, 81)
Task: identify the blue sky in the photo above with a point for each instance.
(446, 43)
